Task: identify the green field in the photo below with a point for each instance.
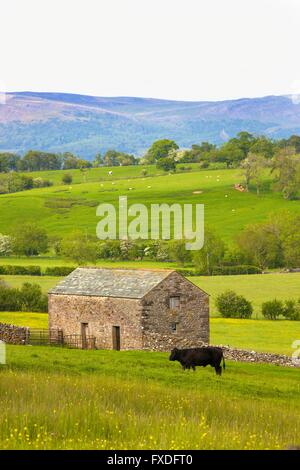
(28, 319)
(70, 399)
(228, 215)
(260, 335)
(93, 175)
(45, 261)
(255, 287)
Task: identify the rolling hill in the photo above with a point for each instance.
(86, 125)
(61, 209)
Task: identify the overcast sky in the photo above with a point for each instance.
(175, 49)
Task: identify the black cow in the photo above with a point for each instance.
(190, 358)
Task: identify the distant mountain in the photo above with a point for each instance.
(85, 125)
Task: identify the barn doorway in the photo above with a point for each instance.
(84, 330)
(116, 338)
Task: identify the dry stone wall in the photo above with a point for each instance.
(242, 355)
(12, 334)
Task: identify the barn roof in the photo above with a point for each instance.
(127, 283)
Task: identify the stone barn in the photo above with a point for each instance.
(131, 309)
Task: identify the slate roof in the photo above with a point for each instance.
(127, 283)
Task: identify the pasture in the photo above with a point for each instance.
(259, 335)
(127, 400)
(61, 209)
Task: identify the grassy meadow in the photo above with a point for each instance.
(135, 400)
(62, 209)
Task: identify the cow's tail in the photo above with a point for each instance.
(223, 362)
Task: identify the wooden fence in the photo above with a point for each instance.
(52, 337)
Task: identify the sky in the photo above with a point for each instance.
(171, 49)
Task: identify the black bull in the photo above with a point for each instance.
(190, 358)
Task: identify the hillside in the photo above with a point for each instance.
(86, 125)
(61, 209)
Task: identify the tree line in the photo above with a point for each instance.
(230, 153)
(272, 244)
(35, 160)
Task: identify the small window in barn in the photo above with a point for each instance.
(174, 326)
(174, 302)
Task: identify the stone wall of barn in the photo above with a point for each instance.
(191, 317)
(67, 312)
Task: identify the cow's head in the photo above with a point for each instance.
(174, 354)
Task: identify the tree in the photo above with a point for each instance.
(125, 159)
(287, 227)
(35, 160)
(13, 182)
(70, 162)
(291, 309)
(32, 299)
(166, 164)
(109, 249)
(231, 305)
(178, 252)
(263, 146)
(116, 158)
(244, 140)
(261, 245)
(160, 149)
(29, 240)
(203, 153)
(5, 245)
(67, 178)
(98, 161)
(230, 153)
(8, 162)
(211, 255)
(79, 248)
(253, 167)
(292, 142)
(272, 309)
(111, 158)
(286, 167)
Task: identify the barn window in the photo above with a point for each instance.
(174, 302)
(174, 326)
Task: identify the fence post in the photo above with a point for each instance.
(27, 335)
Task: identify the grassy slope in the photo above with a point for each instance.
(101, 174)
(30, 205)
(108, 399)
(262, 335)
(255, 287)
